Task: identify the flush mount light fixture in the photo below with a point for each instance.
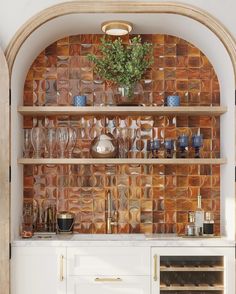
(117, 27)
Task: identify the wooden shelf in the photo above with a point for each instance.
(121, 161)
(202, 287)
(121, 110)
(192, 269)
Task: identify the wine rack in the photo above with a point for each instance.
(191, 274)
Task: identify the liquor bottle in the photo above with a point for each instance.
(208, 225)
(199, 215)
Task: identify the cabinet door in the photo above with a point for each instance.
(108, 285)
(208, 270)
(38, 270)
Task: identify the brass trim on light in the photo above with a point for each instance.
(116, 27)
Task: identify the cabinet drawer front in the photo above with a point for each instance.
(108, 285)
(108, 261)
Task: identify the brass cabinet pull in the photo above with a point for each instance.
(108, 280)
(155, 268)
(62, 268)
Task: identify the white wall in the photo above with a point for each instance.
(14, 13)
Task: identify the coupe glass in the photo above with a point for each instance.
(37, 140)
(27, 143)
(62, 136)
(51, 139)
(72, 137)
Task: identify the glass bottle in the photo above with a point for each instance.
(199, 215)
(208, 225)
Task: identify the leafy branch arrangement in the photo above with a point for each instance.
(122, 64)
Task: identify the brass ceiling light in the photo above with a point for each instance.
(117, 27)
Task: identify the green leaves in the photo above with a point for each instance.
(123, 64)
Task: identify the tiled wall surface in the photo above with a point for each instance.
(149, 198)
(62, 71)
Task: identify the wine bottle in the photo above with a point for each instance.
(199, 215)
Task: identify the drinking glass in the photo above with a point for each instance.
(37, 140)
(72, 136)
(197, 143)
(62, 140)
(27, 143)
(169, 146)
(126, 138)
(51, 139)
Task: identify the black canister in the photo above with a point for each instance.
(65, 222)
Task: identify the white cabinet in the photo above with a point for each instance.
(193, 270)
(108, 285)
(38, 270)
(124, 261)
(108, 270)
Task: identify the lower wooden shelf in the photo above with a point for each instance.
(122, 161)
(190, 287)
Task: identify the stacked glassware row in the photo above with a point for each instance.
(136, 138)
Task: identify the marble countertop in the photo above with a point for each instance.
(155, 240)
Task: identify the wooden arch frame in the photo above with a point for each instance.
(103, 6)
(89, 6)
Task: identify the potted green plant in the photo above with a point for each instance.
(123, 64)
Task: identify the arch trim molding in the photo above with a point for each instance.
(103, 6)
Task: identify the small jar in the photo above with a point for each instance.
(65, 222)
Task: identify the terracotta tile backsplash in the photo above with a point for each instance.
(62, 70)
(148, 198)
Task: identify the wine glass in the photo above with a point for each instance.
(72, 136)
(62, 137)
(51, 139)
(27, 142)
(37, 140)
(126, 138)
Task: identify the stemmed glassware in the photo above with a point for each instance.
(38, 140)
(51, 139)
(72, 136)
(62, 136)
(126, 138)
(183, 144)
(27, 143)
(197, 142)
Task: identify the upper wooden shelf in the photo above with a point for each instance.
(121, 110)
(121, 161)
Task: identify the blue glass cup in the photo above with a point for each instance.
(183, 143)
(79, 100)
(173, 100)
(169, 146)
(197, 142)
(156, 145)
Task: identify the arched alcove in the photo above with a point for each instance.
(174, 19)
